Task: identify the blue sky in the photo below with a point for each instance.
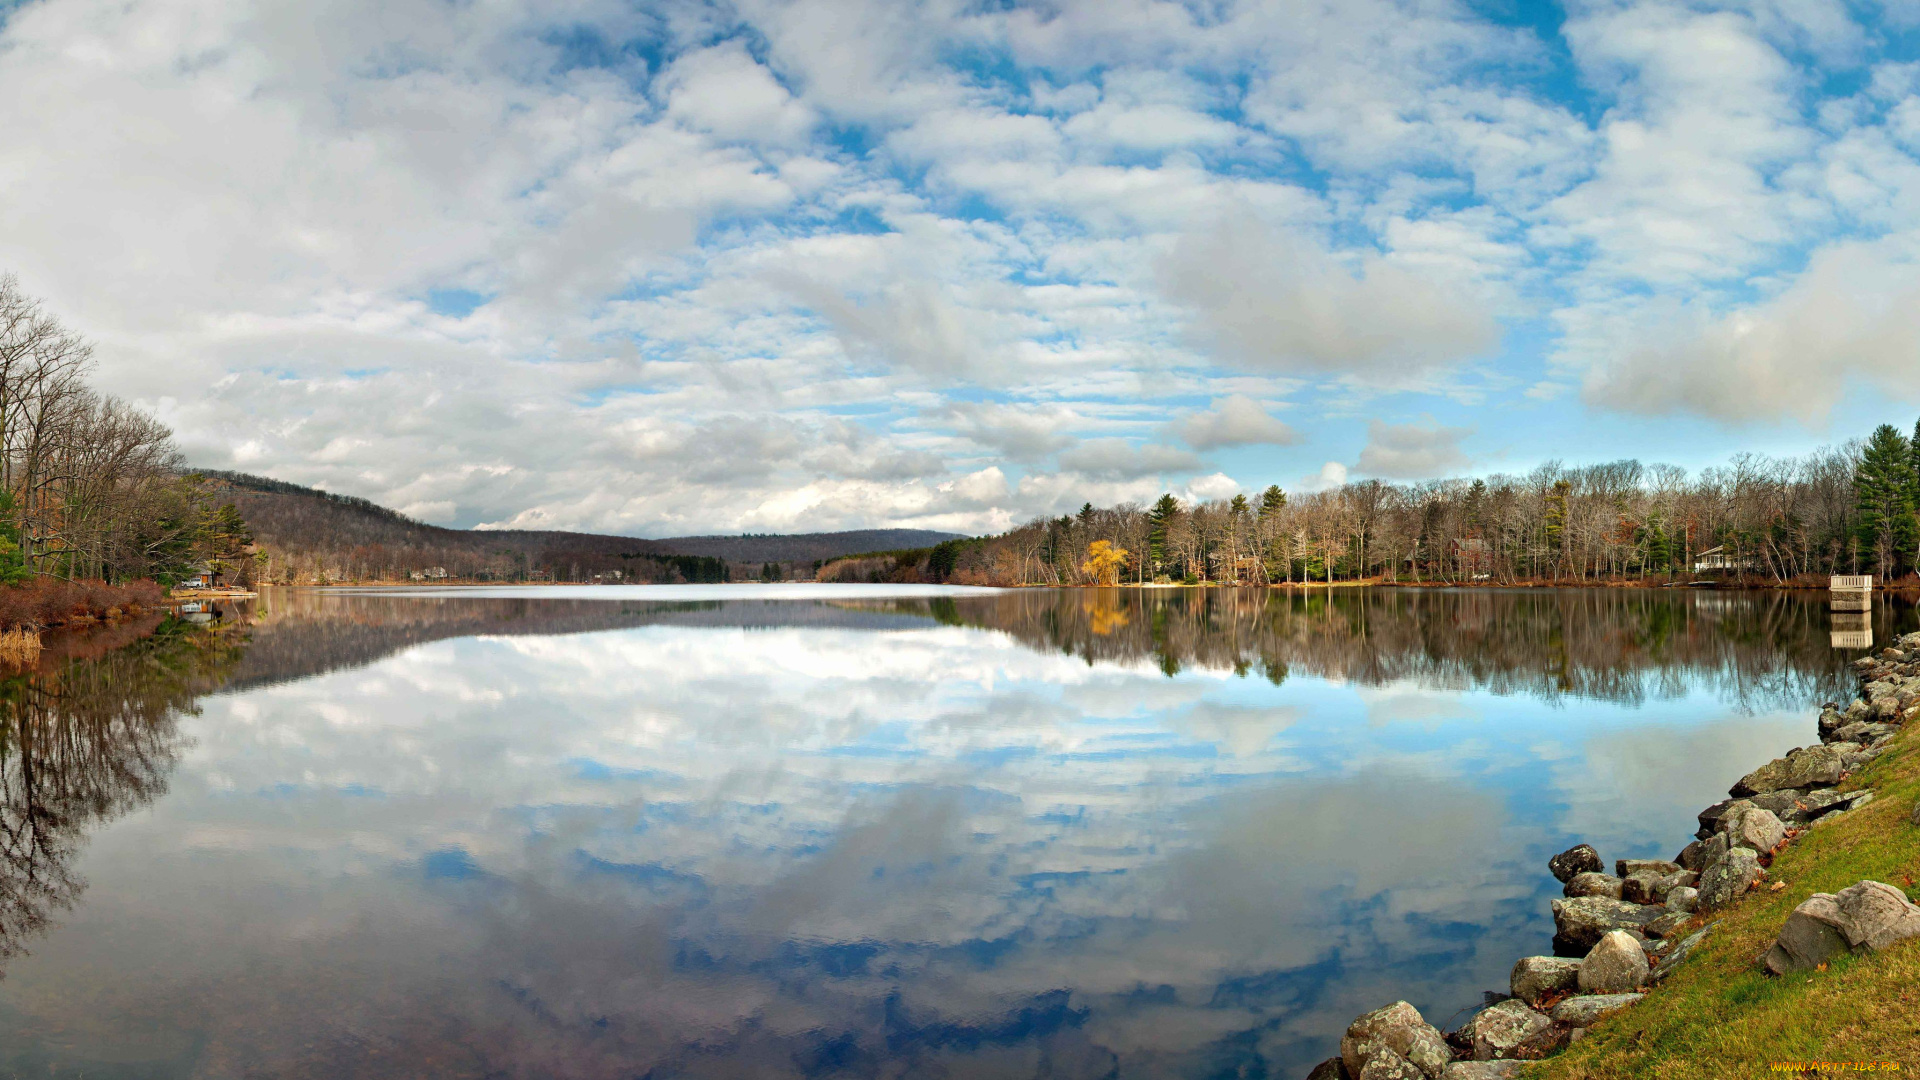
(686, 267)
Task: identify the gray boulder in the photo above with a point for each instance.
(1578, 859)
(1483, 1070)
(1728, 879)
(1683, 899)
(1590, 883)
(1863, 732)
(1535, 977)
(1709, 822)
(1809, 766)
(1384, 1064)
(1678, 955)
(1501, 1029)
(1616, 965)
(1642, 888)
(1398, 1028)
(1583, 1011)
(1864, 917)
(1914, 818)
(1855, 800)
(1810, 937)
(1874, 915)
(1807, 806)
(1668, 925)
(1580, 922)
(1752, 827)
(1660, 867)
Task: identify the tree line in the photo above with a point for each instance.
(1853, 508)
(90, 486)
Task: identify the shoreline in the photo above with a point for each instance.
(1620, 937)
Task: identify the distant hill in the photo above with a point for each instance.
(802, 547)
(311, 535)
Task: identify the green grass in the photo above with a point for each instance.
(1720, 1014)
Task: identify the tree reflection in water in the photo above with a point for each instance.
(87, 735)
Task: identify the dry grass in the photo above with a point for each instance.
(19, 648)
(1720, 1015)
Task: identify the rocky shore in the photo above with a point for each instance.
(1619, 935)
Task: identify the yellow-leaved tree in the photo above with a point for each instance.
(1104, 562)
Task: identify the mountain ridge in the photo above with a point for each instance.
(321, 534)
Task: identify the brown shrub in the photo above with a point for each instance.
(45, 601)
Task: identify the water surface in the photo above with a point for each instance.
(719, 833)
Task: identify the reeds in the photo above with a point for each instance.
(19, 647)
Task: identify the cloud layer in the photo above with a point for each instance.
(821, 263)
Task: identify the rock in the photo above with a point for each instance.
(1500, 1029)
(1809, 766)
(1728, 879)
(1830, 721)
(1482, 1070)
(1874, 915)
(1617, 965)
(1667, 925)
(1579, 859)
(1709, 820)
(1694, 855)
(1864, 917)
(1914, 818)
(1810, 937)
(1640, 888)
(1680, 953)
(1384, 1064)
(1331, 1069)
(1683, 899)
(1590, 883)
(1398, 1028)
(1754, 828)
(1863, 732)
(1810, 805)
(1581, 1012)
(1660, 867)
(1580, 922)
(1535, 977)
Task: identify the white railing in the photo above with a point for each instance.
(1850, 583)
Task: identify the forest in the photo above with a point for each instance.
(90, 487)
(1758, 520)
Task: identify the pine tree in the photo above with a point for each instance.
(1160, 516)
(1883, 484)
(1272, 501)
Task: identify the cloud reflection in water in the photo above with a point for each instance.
(908, 842)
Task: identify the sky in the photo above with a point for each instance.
(676, 267)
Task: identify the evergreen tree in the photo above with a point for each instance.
(1476, 506)
(1883, 489)
(1272, 501)
(1158, 518)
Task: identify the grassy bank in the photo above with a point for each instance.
(1721, 1015)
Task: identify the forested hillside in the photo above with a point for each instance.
(802, 547)
(307, 535)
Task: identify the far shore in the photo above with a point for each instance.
(1903, 586)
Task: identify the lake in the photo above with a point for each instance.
(852, 832)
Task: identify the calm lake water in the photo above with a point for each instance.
(731, 831)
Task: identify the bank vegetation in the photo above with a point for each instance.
(1757, 520)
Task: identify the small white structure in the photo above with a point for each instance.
(1719, 558)
(1850, 592)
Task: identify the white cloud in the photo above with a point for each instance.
(1412, 451)
(1268, 302)
(808, 263)
(1118, 459)
(1853, 317)
(1233, 421)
